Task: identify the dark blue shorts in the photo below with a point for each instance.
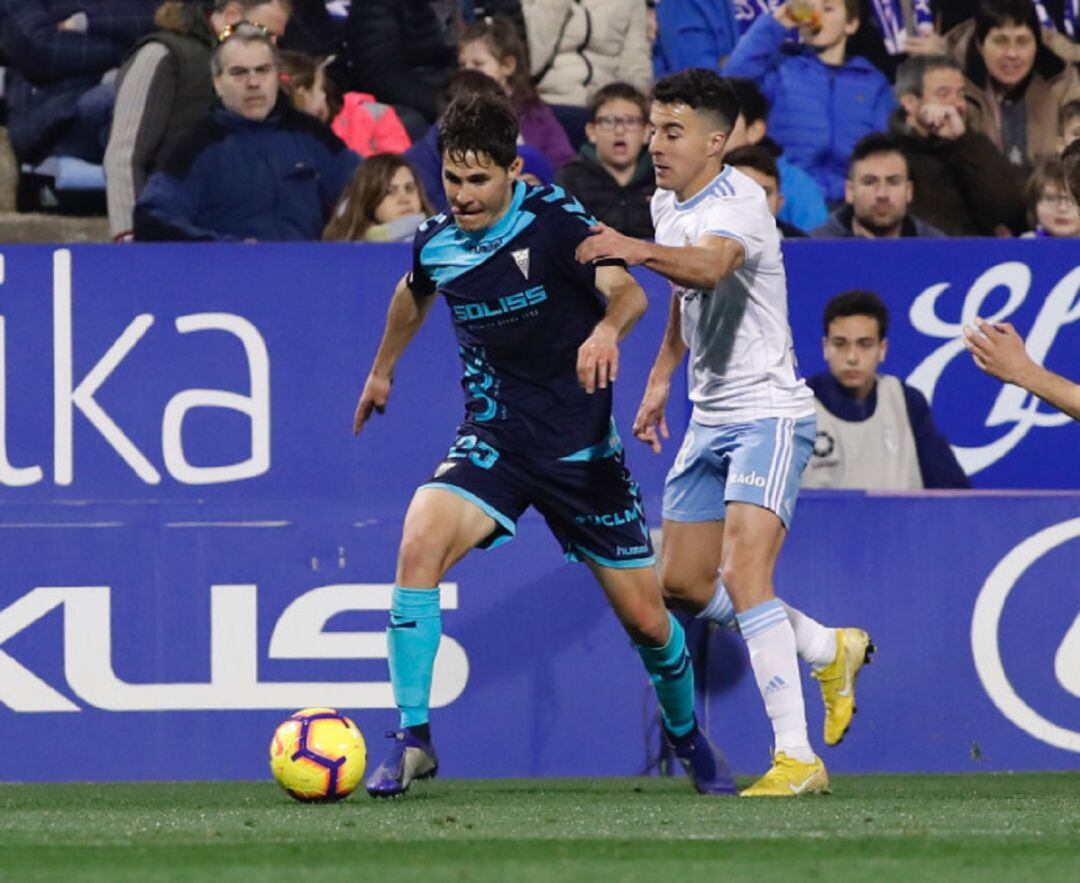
(589, 500)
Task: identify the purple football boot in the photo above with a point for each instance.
(410, 758)
(704, 763)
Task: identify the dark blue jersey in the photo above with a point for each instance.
(521, 306)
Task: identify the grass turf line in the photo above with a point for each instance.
(978, 827)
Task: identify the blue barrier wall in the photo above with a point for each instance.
(194, 543)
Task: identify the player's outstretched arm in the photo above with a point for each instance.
(404, 318)
(650, 424)
(999, 351)
(701, 265)
(598, 356)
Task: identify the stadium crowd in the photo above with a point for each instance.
(301, 119)
(881, 119)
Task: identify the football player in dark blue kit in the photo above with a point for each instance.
(538, 335)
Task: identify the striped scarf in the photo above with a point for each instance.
(1070, 15)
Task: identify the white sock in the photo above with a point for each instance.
(771, 641)
(816, 643)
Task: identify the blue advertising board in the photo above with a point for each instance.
(194, 543)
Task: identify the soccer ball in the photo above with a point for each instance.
(318, 755)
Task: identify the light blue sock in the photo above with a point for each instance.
(720, 609)
(413, 639)
(673, 677)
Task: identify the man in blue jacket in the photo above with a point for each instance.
(822, 101)
(255, 169)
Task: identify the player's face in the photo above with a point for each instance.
(402, 198)
(248, 82)
(619, 131)
(853, 351)
(478, 189)
(769, 184)
(1057, 212)
(879, 191)
(686, 148)
(1009, 53)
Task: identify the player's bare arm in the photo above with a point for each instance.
(650, 424)
(700, 266)
(404, 317)
(999, 351)
(598, 356)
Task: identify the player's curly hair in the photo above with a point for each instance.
(703, 90)
(482, 123)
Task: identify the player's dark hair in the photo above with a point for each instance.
(874, 144)
(753, 104)
(614, 92)
(754, 156)
(703, 90)
(858, 302)
(482, 123)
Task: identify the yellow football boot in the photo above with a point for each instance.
(837, 679)
(790, 778)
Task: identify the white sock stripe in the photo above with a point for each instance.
(789, 456)
(774, 462)
(781, 464)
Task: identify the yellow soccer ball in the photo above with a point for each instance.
(318, 755)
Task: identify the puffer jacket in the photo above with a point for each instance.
(582, 45)
(234, 178)
(818, 112)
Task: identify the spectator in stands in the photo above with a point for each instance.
(1069, 123)
(878, 193)
(165, 88)
(689, 33)
(256, 169)
(57, 52)
(613, 175)
(803, 205)
(874, 431)
(823, 100)
(312, 29)
(404, 52)
(1052, 210)
(493, 47)
(1070, 161)
(579, 46)
(963, 184)
(366, 126)
(384, 202)
(426, 159)
(759, 163)
(1017, 86)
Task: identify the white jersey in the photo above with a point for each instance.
(742, 362)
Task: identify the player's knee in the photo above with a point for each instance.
(647, 625)
(419, 560)
(682, 587)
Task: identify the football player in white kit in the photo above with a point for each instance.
(730, 495)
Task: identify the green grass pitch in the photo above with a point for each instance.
(880, 828)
